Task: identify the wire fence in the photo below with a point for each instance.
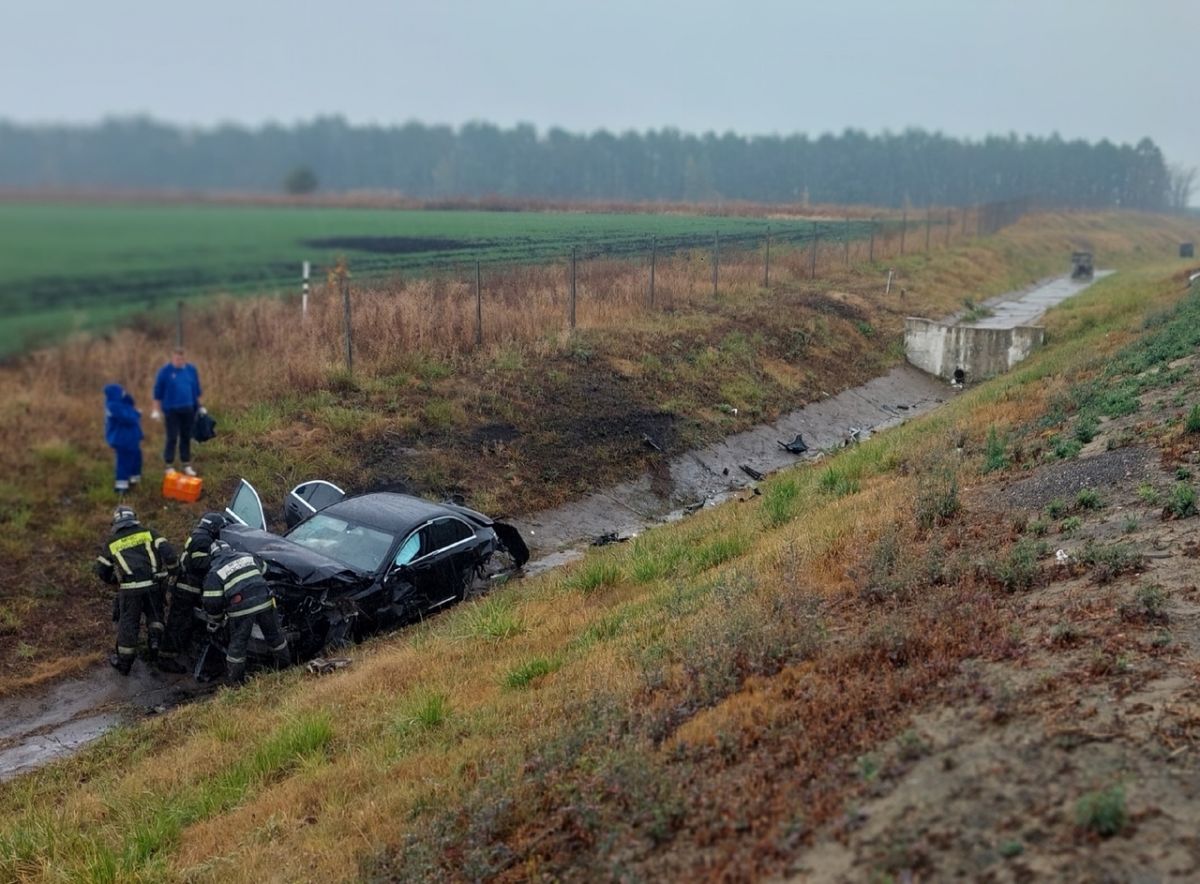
(361, 309)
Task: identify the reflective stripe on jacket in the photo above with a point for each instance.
(136, 558)
(193, 564)
(235, 585)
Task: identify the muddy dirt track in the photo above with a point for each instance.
(56, 721)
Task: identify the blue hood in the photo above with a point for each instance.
(122, 421)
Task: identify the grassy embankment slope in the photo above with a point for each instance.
(696, 702)
(530, 419)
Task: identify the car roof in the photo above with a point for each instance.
(387, 511)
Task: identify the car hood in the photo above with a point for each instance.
(306, 567)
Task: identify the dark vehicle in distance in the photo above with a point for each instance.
(1081, 265)
(349, 566)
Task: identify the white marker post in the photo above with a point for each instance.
(304, 290)
(888, 290)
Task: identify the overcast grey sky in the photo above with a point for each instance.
(1105, 68)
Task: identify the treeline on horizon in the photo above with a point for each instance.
(910, 168)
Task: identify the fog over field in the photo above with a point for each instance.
(1107, 69)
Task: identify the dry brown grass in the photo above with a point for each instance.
(289, 410)
(495, 771)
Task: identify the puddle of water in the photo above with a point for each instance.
(1008, 312)
(38, 727)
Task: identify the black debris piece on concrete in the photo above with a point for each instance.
(752, 473)
(796, 446)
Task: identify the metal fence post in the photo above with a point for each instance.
(653, 261)
(903, 229)
(846, 234)
(716, 260)
(345, 284)
(816, 239)
(871, 247)
(478, 307)
(767, 261)
(179, 324)
(572, 308)
(928, 223)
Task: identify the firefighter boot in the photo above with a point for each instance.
(235, 674)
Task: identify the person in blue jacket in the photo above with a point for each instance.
(123, 433)
(177, 402)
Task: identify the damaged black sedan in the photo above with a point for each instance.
(347, 566)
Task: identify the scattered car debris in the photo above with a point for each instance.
(651, 443)
(326, 665)
(607, 538)
(1062, 557)
(853, 437)
(752, 473)
(796, 446)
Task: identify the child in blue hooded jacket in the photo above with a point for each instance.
(123, 433)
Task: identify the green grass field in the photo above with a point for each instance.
(67, 267)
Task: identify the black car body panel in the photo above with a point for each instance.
(289, 561)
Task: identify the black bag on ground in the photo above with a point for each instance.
(204, 427)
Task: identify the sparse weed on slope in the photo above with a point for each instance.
(137, 834)
(493, 618)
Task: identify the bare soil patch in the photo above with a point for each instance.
(1064, 480)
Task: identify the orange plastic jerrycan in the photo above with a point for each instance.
(178, 486)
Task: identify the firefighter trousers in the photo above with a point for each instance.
(239, 641)
(134, 604)
(181, 621)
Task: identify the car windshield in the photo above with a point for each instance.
(358, 546)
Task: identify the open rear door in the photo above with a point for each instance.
(246, 508)
(309, 497)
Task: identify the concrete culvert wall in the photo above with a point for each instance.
(977, 353)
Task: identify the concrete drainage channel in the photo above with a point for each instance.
(58, 720)
(974, 349)
(711, 475)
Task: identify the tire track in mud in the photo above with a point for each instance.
(58, 720)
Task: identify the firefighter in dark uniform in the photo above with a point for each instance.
(236, 587)
(138, 560)
(193, 568)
